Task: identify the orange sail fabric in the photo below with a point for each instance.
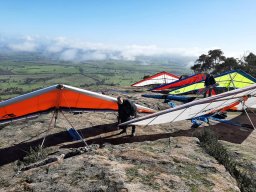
(62, 97)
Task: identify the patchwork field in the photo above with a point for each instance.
(18, 77)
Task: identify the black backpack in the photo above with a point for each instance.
(133, 108)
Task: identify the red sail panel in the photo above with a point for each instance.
(182, 82)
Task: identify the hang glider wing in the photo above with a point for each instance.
(229, 80)
(180, 83)
(62, 97)
(197, 108)
(159, 78)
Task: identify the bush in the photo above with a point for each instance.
(209, 141)
(35, 154)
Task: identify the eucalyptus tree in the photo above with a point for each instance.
(230, 63)
(216, 56)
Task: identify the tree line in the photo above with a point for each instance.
(216, 63)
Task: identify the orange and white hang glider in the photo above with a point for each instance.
(157, 79)
(58, 97)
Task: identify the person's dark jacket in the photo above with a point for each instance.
(209, 81)
(126, 110)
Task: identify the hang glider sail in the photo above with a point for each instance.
(229, 80)
(58, 97)
(180, 83)
(159, 78)
(197, 108)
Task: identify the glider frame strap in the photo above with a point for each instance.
(81, 139)
(48, 129)
(250, 109)
(248, 115)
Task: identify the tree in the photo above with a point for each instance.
(230, 63)
(216, 56)
(207, 63)
(216, 62)
(250, 64)
(251, 60)
(196, 68)
(204, 61)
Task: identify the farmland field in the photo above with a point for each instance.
(25, 75)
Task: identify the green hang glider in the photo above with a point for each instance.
(226, 81)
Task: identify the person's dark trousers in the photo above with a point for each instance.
(210, 92)
(133, 129)
(124, 128)
(205, 92)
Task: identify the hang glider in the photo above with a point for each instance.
(198, 107)
(180, 83)
(159, 78)
(229, 80)
(58, 97)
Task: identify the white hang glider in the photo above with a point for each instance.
(244, 97)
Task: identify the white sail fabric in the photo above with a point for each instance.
(196, 108)
(159, 78)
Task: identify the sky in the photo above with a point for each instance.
(184, 27)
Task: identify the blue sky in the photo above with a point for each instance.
(184, 24)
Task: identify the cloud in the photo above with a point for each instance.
(94, 56)
(76, 50)
(69, 55)
(24, 46)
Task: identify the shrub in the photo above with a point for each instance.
(35, 154)
(209, 141)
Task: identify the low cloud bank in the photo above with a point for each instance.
(75, 50)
